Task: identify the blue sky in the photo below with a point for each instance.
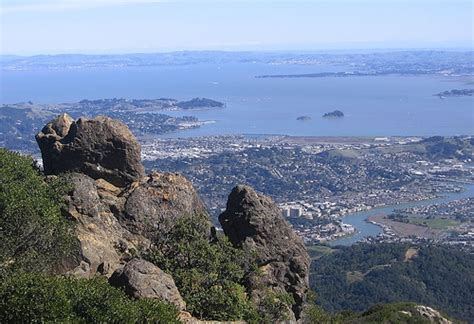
(120, 26)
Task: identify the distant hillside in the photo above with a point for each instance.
(435, 148)
(446, 148)
(362, 275)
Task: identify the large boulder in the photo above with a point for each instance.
(142, 279)
(158, 201)
(100, 148)
(254, 223)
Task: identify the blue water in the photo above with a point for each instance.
(365, 229)
(374, 106)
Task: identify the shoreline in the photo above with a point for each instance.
(399, 229)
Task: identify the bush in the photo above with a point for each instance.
(208, 274)
(39, 298)
(275, 307)
(33, 233)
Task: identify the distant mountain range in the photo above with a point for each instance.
(418, 62)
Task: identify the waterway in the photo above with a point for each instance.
(372, 105)
(365, 229)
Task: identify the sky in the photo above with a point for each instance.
(30, 27)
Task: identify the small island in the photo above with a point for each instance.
(200, 103)
(456, 93)
(335, 113)
(303, 118)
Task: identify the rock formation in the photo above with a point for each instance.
(158, 200)
(104, 244)
(100, 148)
(142, 279)
(432, 315)
(113, 223)
(254, 223)
(117, 210)
(115, 207)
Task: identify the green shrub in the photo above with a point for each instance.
(39, 298)
(33, 233)
(275, 306)
(209, 275)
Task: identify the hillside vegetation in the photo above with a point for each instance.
(39, 244)
(35, 240)
(33, 233)
(362, 275)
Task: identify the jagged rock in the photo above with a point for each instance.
(254, 223)
(104, 244)
(101, 148)
(112, 224)
(157, 201)
(142, 279)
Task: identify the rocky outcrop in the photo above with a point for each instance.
(104, 244)
(254, 223)
(142, 279)
(432, 315)
(118, 211)
(115, 207)
(113, 224)
(158, 200)
(100, 148)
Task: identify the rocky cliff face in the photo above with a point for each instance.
(254, 223)
(117, 209)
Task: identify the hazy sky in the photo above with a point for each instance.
(118, 26)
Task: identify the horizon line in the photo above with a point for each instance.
(318, 50)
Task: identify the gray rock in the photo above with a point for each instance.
(254, 223)
(115, 207)
(104, 244)
(112, 224)
(101, 148)
(156, 202)
(142, 279)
